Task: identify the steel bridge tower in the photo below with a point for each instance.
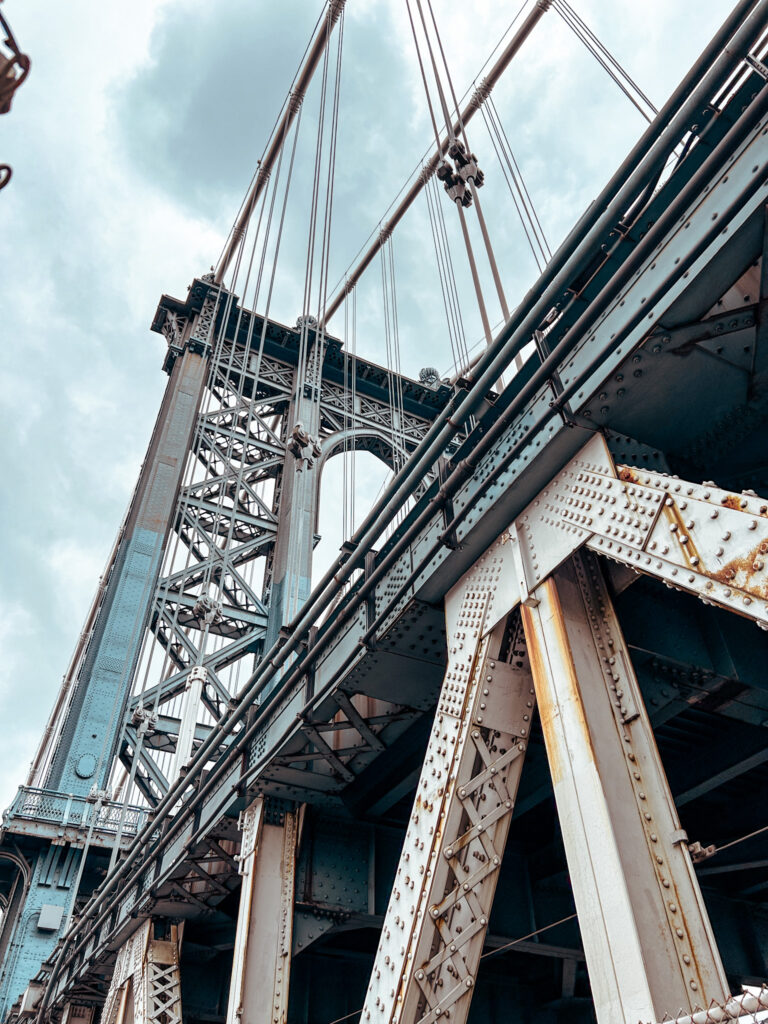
(508, 756)
(234, 417)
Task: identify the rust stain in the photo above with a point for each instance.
(689, 549)
(338, 737)
(628, 475)
(541, 685)
(693, 967)
(571, 678)
(741, 572)
(732, 501)
(548, 710)
(704, 972)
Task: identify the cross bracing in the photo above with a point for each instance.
(327, 738)
(227, 519)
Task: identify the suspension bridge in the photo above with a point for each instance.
(507, 757)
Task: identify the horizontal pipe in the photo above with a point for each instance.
(747, 1004)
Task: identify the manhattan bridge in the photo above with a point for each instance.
(507, 760)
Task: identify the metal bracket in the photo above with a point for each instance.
(757, 65)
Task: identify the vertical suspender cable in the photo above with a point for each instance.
(302, 81)
(429, 168)
(473, 186)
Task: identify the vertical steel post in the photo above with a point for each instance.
(86, 746)
(300, 492)
(437, 918)
(647, 938)
(34, 923)
(250, 826)
(190, 710)
(146, 983)
(259, 987)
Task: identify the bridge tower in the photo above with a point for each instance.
(479, 734)
(213, 558)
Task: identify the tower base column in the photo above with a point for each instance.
(647, 939)
(261, 967)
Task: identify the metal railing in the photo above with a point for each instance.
(67, 811)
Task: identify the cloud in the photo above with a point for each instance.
(20, 693)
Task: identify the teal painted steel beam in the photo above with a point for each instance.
(87, 743)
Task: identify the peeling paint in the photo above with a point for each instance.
(747, 572)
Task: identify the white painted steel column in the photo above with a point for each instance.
(191, 708)
(437, 918)
(647, 938)
(250, 826)
(146, 983)
(259, 987)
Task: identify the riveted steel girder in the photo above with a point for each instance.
(146, 984)
(646, 934)
(434, 930)
(259, 985)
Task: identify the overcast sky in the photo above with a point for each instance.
(132, 143)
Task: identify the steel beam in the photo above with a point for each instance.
(299, 497)
(647, 939)
(190, 709)
(721, 778)
(697, 538)
(761, 334)
(146, 983)
(259, 985)
(436, 922)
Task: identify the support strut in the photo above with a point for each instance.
(647, 938)
(259, 986)
(146, 985)
(437, 918)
